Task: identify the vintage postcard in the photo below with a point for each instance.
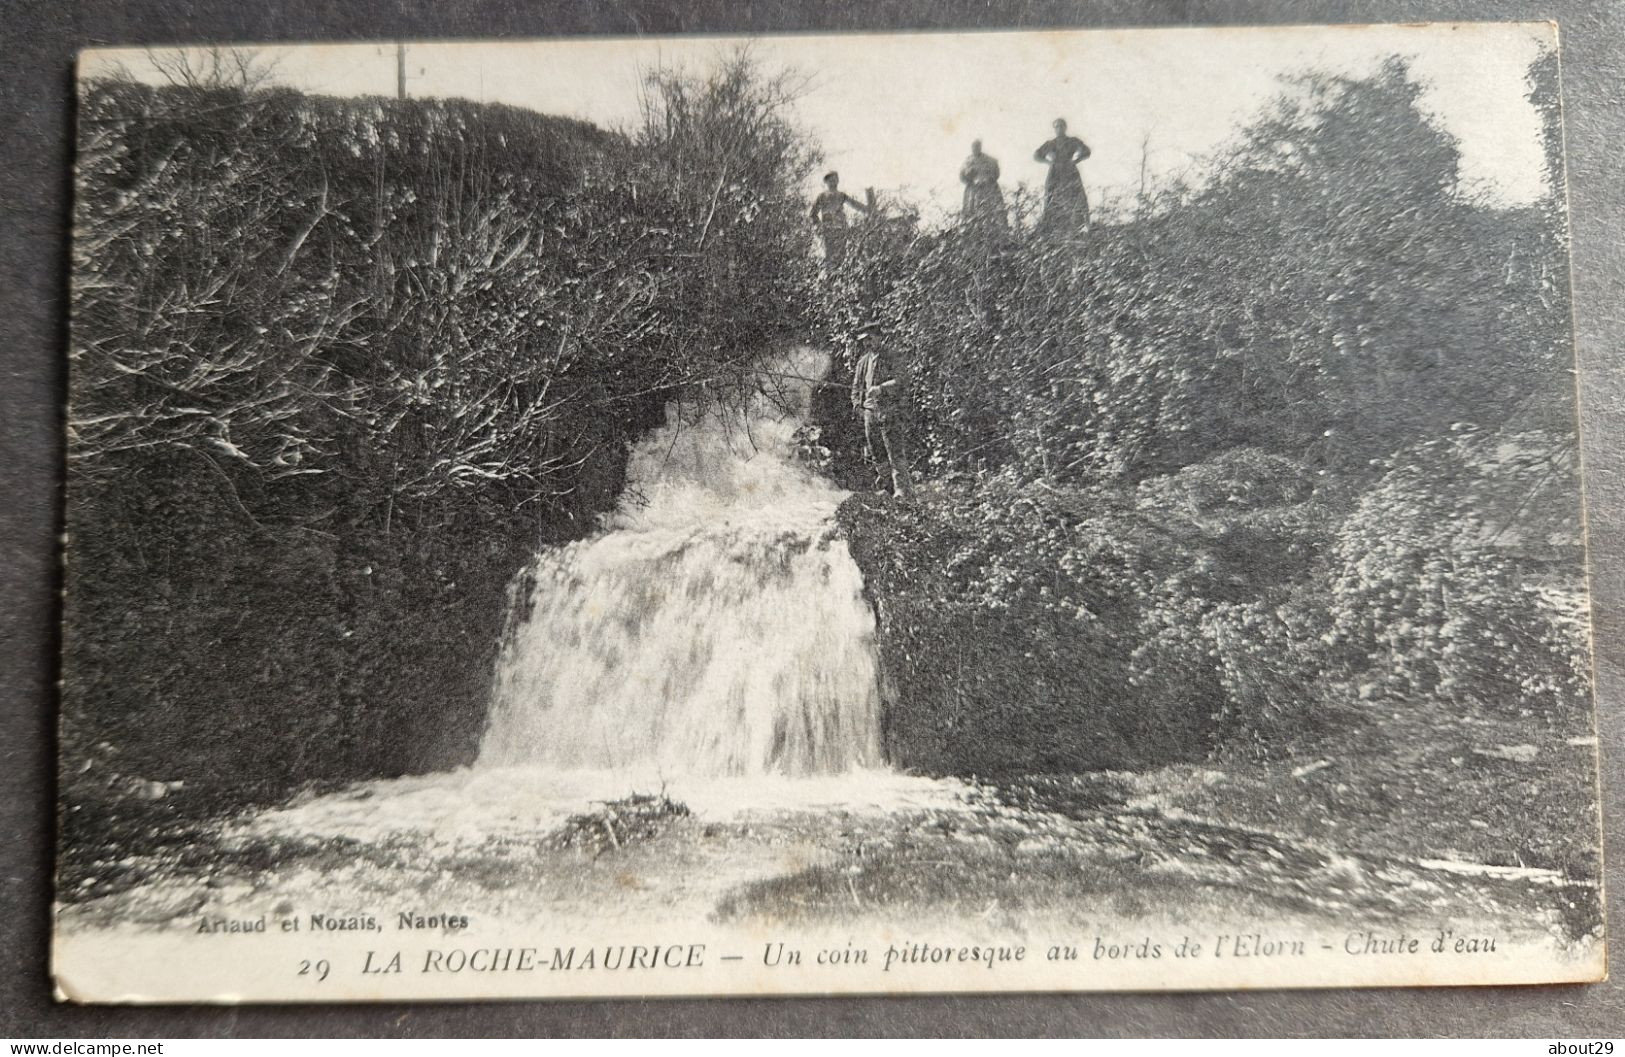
(825, 514)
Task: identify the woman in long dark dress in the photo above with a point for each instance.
(1066, 207)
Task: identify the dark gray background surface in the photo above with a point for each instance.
(39, 40)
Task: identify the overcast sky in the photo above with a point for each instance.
(898, 111)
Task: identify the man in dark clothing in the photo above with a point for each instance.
(829, 214)
(1066, 208)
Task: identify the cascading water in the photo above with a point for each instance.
(716, 627)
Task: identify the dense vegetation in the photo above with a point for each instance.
(1281, 458)
(339, 366)
(1280, 454)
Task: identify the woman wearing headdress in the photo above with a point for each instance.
(983, 204)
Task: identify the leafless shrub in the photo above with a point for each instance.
(213, 67)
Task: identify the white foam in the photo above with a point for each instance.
(472, 805)
(717, 628)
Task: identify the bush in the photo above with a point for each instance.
(1006, 616)
(1433, 602)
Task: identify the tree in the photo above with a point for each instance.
(728, 163)
(213, 67)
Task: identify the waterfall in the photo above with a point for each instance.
(716, 626)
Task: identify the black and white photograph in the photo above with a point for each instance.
(824, 514)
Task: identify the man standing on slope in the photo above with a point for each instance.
(829, 214)
(875, 396)
(1066, 208)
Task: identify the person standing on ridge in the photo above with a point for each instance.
(1066, 207)
(983, 204)
(876, 398)
(829, 214)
